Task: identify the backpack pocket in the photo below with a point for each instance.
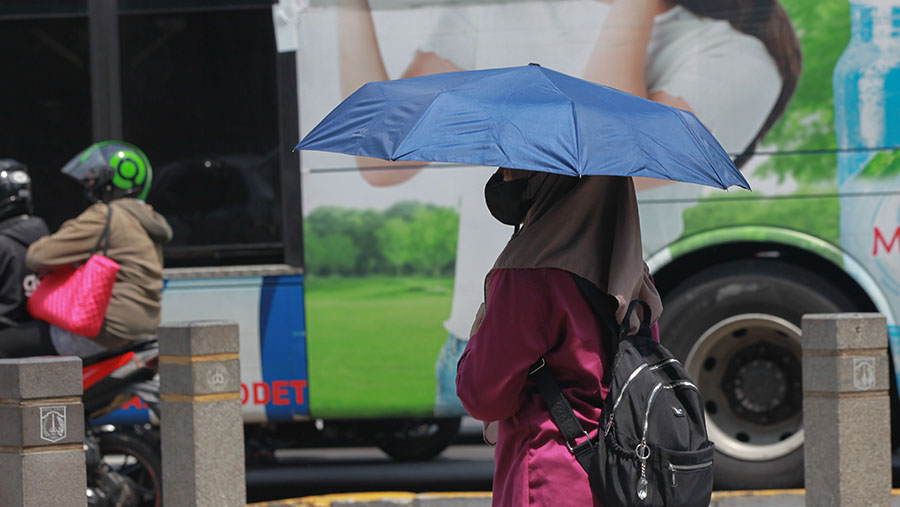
(687, 476)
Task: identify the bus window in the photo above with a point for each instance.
(199, 96)
(46, 91)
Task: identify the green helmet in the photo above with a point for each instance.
(111, 170)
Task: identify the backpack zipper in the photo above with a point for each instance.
(627, 383)
(663, 363)
(673, 385)
(683, 383)
(630, 378)
(612, 413)
(642, 451)
(686, 468)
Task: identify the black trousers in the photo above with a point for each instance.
(26, 340)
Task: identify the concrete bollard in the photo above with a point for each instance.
(41, 433)
(846, 410)
(201, 423)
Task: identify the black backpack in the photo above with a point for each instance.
(653, 448)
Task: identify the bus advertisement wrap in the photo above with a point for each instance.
(803, 95)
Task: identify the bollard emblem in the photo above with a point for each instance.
(863, 373)
(53, 423)
(217, 377)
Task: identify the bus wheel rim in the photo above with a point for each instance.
(729, 351)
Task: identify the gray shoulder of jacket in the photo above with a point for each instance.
(155, 224)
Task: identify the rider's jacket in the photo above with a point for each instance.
(137, 234)
(16, 280)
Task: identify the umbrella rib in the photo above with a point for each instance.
(702, 147)
(578, 169)
(394, 155)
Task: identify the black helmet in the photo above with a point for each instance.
(15, 189)
(111, 170)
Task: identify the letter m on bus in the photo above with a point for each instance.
(887, 246)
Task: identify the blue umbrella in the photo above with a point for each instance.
(527, 117)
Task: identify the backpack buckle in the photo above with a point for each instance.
(574, 449)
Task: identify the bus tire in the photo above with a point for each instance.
(419, 439)
(736, 327)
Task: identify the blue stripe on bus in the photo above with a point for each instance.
(282, 335)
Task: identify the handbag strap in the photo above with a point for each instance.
(104, 236)
(562, 414)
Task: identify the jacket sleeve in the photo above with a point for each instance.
(73, 241)
(518, 328)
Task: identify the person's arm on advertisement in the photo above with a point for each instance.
(360, 63)
(72, 243)
(514, 334)
(620, 53)
(620, 56)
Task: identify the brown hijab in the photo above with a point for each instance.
(588, 226)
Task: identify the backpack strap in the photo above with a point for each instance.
(604, 307)
(644, 330)
(560, 410)
(562, 414)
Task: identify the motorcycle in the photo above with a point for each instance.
(123, 461)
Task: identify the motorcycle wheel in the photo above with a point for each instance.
(138, 459)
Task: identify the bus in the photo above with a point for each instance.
(355, 281)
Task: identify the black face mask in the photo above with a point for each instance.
(504, 199)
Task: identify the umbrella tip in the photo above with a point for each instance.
(535, 64)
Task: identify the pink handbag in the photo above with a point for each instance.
(75, 297)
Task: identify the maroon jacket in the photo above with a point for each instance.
(532, 313)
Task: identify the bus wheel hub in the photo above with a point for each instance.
(762, 383)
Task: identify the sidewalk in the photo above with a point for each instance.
(761, 498)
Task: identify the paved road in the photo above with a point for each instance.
(465, 466)
(320, 471)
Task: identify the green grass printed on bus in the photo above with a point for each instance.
(373, 342)
(816, 216)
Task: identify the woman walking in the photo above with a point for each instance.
(586, 227)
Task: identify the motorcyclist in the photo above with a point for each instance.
(20, 335)
(116, 176)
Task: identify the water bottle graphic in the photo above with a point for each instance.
(867, 86)
(866, 83)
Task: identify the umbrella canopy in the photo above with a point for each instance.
(527, 117)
